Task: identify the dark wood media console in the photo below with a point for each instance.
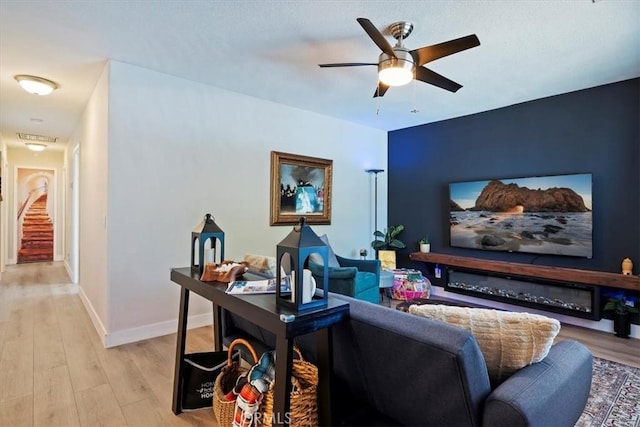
(560, 290)
(570, 275)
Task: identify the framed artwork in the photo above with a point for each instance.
(300, 187)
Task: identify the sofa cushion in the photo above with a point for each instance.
(317, 259)
(508, 340)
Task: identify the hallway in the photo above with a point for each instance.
(54, 370)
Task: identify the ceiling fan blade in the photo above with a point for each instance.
(426, 75)
(437, 51)
(380, 90)
(347, 64)
(376, 36)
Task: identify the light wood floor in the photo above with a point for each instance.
(55, 372)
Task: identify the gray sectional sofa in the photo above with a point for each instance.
(395, 368)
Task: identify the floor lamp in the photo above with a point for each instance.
(375, 203)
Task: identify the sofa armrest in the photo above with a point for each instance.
(553, 391)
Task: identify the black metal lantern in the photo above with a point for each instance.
(294, 250)
(206, 230)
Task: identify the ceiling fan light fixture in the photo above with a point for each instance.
(397, 66)
(396, 71)
(36, 85)
(33, 146)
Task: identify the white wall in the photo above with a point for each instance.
(179, 149)
(4, 166)
(68, 153)
(23, 158)
(93, 135)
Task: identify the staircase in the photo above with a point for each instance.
(37, 233)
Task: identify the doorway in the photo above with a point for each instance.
(35, 220)
(74, 252)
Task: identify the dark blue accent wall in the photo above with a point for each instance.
(594, 131)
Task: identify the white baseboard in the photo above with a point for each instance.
(102, 332)
(604, 325)
(68, 268)
(140, 333)
(155, 330)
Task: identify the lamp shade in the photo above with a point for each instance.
(206, 231)
(292, 254)
(396, 71)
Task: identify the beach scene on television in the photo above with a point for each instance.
(543, 215)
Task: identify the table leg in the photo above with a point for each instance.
(217, 327)
(325, 372)
(180, 346)
(282, 388)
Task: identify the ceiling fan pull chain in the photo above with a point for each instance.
(414, 97)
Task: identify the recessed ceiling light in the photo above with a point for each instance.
(35, 147)
(36, 85)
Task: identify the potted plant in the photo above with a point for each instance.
(425, 246)
(621, 305)
(389, 239)
(385, 245)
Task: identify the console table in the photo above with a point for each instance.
(261, 310)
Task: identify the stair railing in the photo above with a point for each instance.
(44, 189)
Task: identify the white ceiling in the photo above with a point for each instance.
(270, 50)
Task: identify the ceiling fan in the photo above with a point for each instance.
(397, 65)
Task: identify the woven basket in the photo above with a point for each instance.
(304, 392)
(223, 408)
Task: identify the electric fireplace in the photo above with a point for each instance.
(577, 300)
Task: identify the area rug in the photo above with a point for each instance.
(614, 399)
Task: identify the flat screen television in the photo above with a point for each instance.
(549, 215)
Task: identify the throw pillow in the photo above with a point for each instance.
(508, 341)
(317, 259)
(262, 264)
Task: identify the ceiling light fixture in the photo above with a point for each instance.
(396, 71)
(36, 85)
(35, 147)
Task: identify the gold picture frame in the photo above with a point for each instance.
(300, 187)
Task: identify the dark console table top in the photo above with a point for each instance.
(261, 309)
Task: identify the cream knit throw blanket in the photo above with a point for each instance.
(508, 340)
